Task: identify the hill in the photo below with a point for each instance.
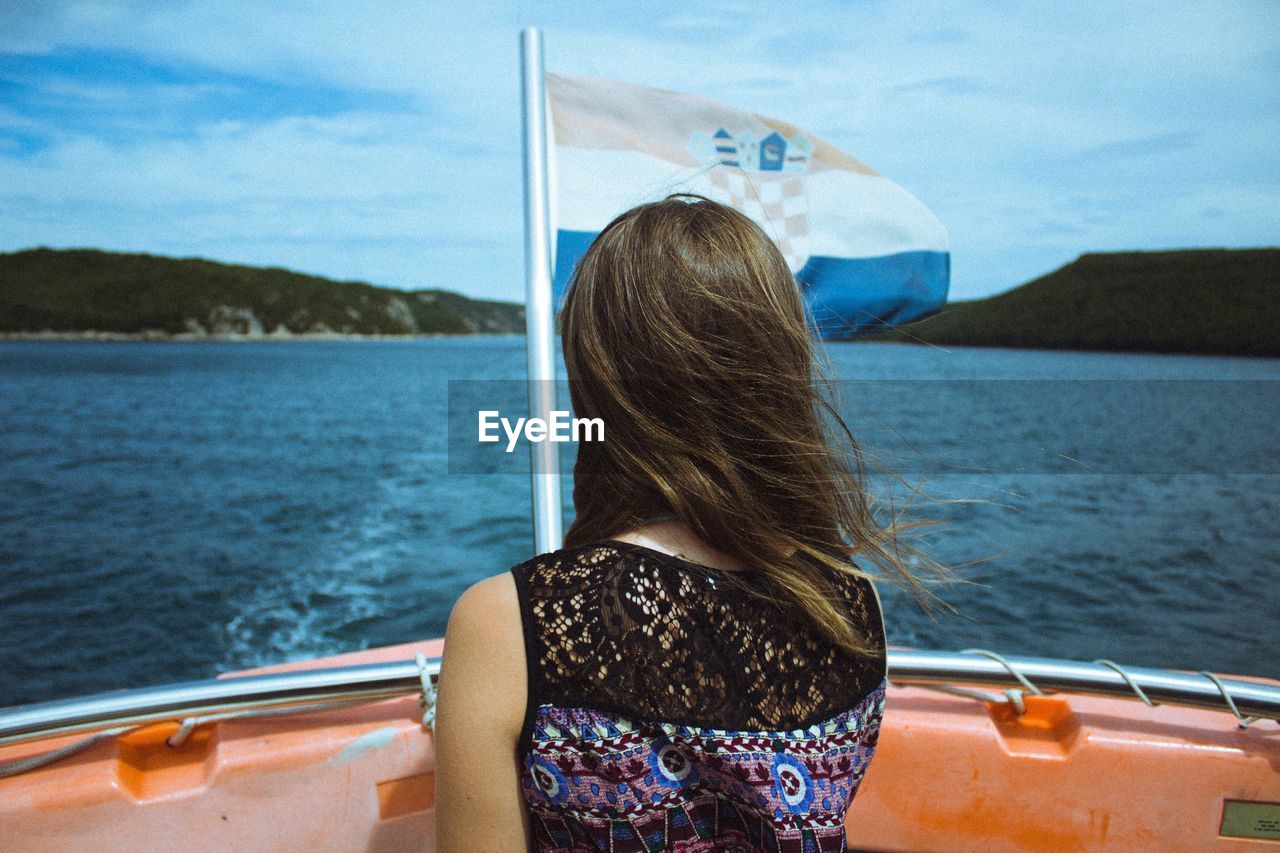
(79, 290)
(1210, 301)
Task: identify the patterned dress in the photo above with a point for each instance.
(671, 709)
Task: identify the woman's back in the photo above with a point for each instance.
(670, 708)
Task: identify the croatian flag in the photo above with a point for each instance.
(865, 252)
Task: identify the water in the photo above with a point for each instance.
(172, 511)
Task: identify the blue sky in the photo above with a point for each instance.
(380, 142)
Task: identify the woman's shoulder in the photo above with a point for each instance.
(487, 612)
(483, 658)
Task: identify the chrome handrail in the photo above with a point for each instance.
(379, 681)
(1259, 699)
(372, 682)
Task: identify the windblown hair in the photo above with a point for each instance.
(685, 331)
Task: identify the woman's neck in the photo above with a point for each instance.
(671, 536)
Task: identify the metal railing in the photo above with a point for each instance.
(343, 684)
(1247, 700)
(327, 689)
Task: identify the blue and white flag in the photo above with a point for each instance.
(865, 252)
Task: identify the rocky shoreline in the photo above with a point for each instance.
(86, 294)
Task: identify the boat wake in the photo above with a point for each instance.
(319, 609)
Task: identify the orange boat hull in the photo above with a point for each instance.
(950, 773)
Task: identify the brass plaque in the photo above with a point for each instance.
(1245, 819)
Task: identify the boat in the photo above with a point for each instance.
(978, 750)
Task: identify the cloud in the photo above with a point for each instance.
(1148, 146)
(318, 194)
(113, 95)
(941, 86)
(382, 142)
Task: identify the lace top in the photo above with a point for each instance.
(670, 708)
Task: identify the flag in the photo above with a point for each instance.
(865, 252)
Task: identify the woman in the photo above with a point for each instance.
(702, 666)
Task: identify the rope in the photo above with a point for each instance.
(1022, 679)
(13, 768)
(190, 724)
(1128, 679)
(1231, 703)
(1013, 695)
(427, 699)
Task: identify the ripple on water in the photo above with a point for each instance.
(170, 512)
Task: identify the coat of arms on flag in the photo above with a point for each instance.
(864, 251)
(765, 179)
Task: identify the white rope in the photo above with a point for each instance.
(1022, 679)
(1231, 703)
(189, 724)
(1128, 679)
(13, 768)
(427, 699)
(1013, 695)
(185, 728)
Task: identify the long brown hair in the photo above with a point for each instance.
(685, 331)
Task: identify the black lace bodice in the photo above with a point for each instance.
(619, 627)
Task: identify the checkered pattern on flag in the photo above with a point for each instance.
(864, 251)
(777, 202)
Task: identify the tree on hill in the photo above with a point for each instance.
(1223, 301)
(84, 289)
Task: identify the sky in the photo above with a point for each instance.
(381, 142)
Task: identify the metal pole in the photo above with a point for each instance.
(544, 459)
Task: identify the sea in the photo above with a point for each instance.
(175, 510)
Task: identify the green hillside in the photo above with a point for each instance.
(79, 290)
(1223, 301)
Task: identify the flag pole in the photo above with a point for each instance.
(544, 460)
